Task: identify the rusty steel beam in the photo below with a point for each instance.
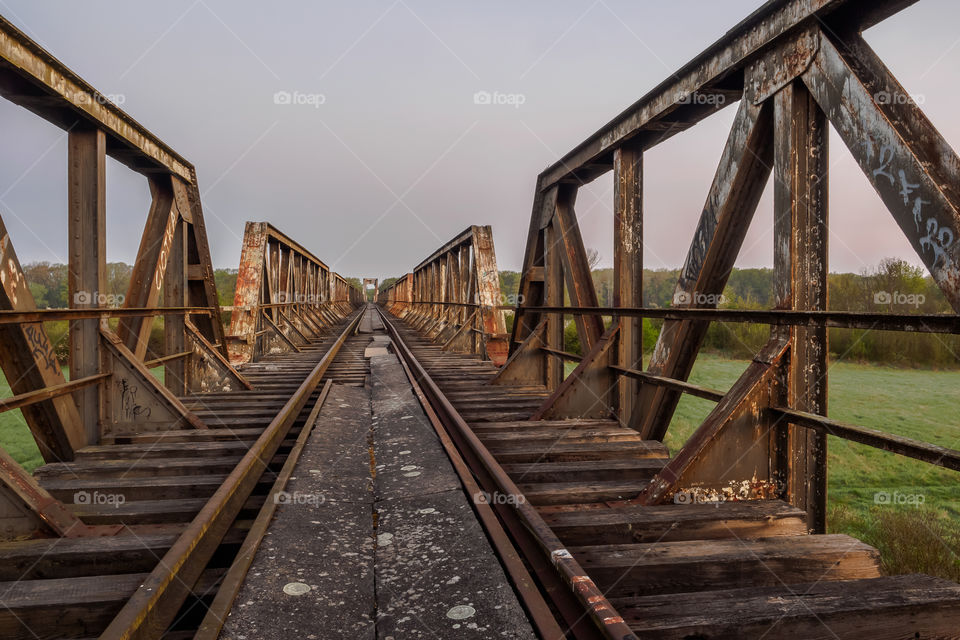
(26, 508)
(284, 295)
(912, 168)
(733, 197)
(30, 363)
(672, 106)
(146, 280)
(34, 79)
(800, 231)
(86, 276)
(735, 449)
(628, 270)
(454, 296)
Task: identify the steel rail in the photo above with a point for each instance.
(539, 611)
(218, 610)
(547, 554)
(151, 609)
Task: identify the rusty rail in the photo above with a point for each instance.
(150, 610)
(561, 575)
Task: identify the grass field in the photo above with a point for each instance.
(16, 438)
(923, 534)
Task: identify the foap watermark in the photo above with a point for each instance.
(499, 98)
(496, 497)
(97, 298)
(505, 299)
(102, 98)
(698, 298)
(900, 299)
(898, 97)
(287, 297)
(697, 497)
(299, 499)
(298, 98)
(896, 498)
(97, 498)
(715, 99)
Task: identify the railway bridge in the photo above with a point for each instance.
(311, 462)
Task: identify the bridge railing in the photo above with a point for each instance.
(285, 295)
(109, 388)
(454, 296)
(793, 68)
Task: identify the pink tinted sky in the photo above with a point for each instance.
(388, 155)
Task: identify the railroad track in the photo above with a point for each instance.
(609, 568)
(186, 499)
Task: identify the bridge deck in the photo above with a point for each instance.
(377, 537)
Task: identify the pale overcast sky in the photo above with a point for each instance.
(388, 156)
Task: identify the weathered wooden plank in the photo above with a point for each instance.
(702, 565)
(664, 523)
(887, 608)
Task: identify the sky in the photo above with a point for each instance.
(353, 127)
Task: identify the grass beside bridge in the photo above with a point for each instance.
(908, 509)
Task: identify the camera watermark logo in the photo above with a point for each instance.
(498, 98)
(697, 298)
(897, 97)
(505, 299)
(298, 98)
(901, 299)
(885, 498)
(102, 98)
(496, 497)
(98, 299)
(704, 99)
(97, 498)
(287, 297)
(299, 499)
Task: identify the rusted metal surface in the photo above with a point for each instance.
(26, 508)
(283, 293)
(711, 73)
(736, 442)
(454, 295)
(730, 205)
(38, 81)
(796, 66)
(800, 282)
(112, 392)
(30, 364)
